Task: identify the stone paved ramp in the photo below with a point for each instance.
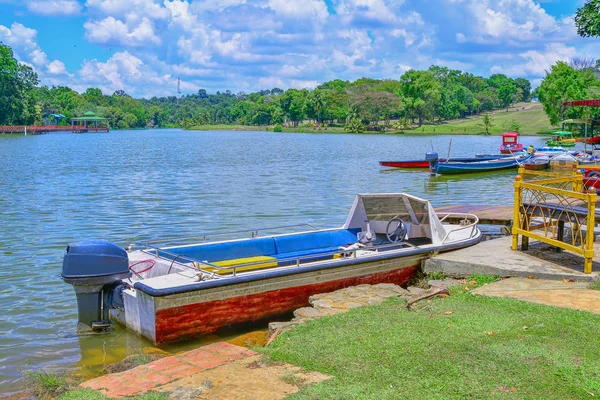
(495, 257)
(565, 294)
(217, 371)
(343, 300)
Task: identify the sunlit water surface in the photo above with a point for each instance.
(128, 186)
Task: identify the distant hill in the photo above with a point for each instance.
(530, 117)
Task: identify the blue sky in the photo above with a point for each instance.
(143, 46)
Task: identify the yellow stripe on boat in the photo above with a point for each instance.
(258, 262)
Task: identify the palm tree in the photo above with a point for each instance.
(317, 104)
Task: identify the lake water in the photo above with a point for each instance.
(128, 186)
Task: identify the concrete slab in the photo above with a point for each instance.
(565, 294)
(495, 257)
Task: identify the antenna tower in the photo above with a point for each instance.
(178, 87)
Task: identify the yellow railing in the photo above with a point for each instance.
(544, 202)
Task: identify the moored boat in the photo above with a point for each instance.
(563, 161)
(561, 138)
(173, 293)
(425, 163)
(549, 151)
(405, 164)
(462, 167)
(537, 163)
(510, 143)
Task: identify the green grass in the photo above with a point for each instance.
(49, 383)
(52, 386)
(88, 394)
(227, 127)
(436, 275)
(463, 346)
(595, 285)
(533, 120)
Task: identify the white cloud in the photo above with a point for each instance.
(409, 38)
(505, 20)
(24, 43)
(308, 10)
(253, 44)
(536, 62)
(152, 9)
(124, 71)
(57, 67)
(53, 7)
(114, 31)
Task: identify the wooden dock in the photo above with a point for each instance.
(488, 215)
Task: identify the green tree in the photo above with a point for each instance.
(507, 93)
(354, 125)
(316, 104)
(17, 81)
(587, 19)
(487, 121)
(423, 90)
(564, 83)
(525, 86)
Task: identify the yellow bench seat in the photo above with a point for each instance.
(258, 262)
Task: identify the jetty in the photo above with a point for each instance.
(488, 215)
(34, 129)
(88, 122)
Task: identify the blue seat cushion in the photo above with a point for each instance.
(307, 255)
(312, 243)
(227, 250)
(314, 240)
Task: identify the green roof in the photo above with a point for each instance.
(89, 116)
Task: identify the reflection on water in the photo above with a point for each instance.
(130, 186)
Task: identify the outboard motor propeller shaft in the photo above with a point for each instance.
(433, 162)
(95, 268)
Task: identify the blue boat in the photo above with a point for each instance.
(462, 167)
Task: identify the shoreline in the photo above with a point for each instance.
(337, 130)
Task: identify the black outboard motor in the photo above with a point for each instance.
(95, 269)
(433, 162)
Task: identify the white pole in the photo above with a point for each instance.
(25, 129)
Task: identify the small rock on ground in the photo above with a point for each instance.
(446, 282)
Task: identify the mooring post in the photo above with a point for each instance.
(516, 212)
(589, 236)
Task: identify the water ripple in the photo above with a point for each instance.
(133, 185)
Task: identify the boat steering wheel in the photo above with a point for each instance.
(399, 232)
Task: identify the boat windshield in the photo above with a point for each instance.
(379, 209)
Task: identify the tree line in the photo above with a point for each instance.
(432, 95)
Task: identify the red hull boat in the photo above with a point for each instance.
(405, 164)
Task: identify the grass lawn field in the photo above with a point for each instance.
(463, 346)
(532, 120)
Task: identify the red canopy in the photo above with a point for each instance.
(582, 103)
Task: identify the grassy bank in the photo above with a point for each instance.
(532, 121)
(463, 346)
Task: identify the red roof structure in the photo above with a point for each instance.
(582, 103)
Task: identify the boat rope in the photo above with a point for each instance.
(151, 262)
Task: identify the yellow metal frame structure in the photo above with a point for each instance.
(544, 202)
